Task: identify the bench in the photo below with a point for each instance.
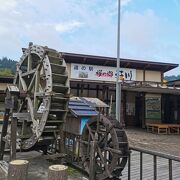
(174, 128)
(157, 128)
(163, 128)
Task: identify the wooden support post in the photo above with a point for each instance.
(88, 86)
(18, 170)
(92, 171)
(82, 88)
(4, 132)
(57, 172)
(78, 87)
(97, 91)
(13, 138)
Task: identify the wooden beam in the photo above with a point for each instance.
(13, 138)
(88, 87)
(106, 62)
(127, 64)
(92, 165)
(84, 60)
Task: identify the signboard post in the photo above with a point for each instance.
(118, 83)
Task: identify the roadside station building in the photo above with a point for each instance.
(4, 80)
(145, 96)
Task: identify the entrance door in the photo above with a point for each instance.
(139, 111)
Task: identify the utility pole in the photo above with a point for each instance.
(118, 83)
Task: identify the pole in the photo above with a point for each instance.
(118, 84)
(92, 167)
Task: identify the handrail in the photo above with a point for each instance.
(156, 153)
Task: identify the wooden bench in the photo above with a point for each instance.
(163, 128)
(173, 128)
(157, 128)
(150, 127)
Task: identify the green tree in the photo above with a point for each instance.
(6, 72)
(6, 63)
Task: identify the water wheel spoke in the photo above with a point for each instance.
(36, 88)
(30, 108)
(89, 129)
(105, 135)
(21, 106)
(22, 81)
(32, 82)
(104, 163)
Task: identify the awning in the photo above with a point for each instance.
(151, 88)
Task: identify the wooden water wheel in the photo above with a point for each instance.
(112, 149)
(43, 83)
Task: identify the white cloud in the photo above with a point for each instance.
(84, 26)
(67, 26)
(140, 29)
(7, 5)
(125, 2)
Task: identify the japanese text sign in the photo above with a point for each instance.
(100, 73)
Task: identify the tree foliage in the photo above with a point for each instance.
(7, 66)
(6, 72)
(171, 78)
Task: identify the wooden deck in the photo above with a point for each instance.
(162, 168)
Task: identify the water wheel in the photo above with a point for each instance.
(43, 82)
(112, 150)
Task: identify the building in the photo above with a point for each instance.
(4, 80)
(145, 96)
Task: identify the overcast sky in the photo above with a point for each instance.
(149, 28)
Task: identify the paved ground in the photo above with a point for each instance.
(169, 144)
(38, 167)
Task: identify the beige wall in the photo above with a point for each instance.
(153, 95)
(153, 76)
(3, 86)
(69, 69)
(139, 75)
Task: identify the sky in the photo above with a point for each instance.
(150, 29)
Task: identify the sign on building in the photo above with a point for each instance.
(153, 108)
(100, 73)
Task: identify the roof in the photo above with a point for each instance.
(93, 102)
(79, 107)
(151, 87)
(111, 61)
(6, 79)
(175, 83)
